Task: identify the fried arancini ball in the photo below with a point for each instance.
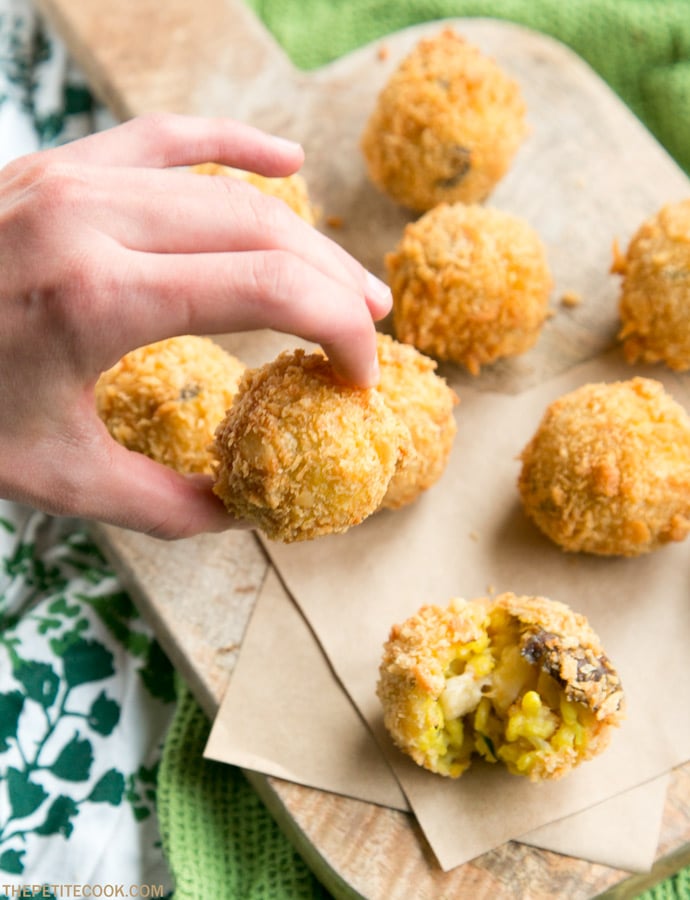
(302, 455)
(519, 680)
(654, 303)
(424, 401)
(166, 399)
(445, 127)
(292, 189)
(608, 469)
(470, 285)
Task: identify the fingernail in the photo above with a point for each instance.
(378, 288)
(374, 372)
(287, 143)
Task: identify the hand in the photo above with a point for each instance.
(103, 248)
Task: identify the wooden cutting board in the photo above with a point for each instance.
(588, 173)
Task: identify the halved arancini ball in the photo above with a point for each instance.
(517, 680)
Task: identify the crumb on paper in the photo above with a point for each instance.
(571, 299)
(383, 53)
(618, 263)
(334, 221)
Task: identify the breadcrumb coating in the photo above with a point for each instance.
(166, 399)
(292, 189)
(520, 680)
(302, 455)
(608, 469)
(424, 401)
(470, 285)
(445, 127)
(654, 304)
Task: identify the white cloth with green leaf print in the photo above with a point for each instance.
(85, 699)
(86, 694)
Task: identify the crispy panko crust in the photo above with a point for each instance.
(608, 469)
(470, 285)
(517, 656)
(445, 127)
(166, 399)
(292, 189)
(425, 402)
(301, 455)
(654, 304)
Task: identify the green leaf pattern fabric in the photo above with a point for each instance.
(82, 716)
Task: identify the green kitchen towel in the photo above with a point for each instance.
(220, 838)
(220, 841)
(640, 47)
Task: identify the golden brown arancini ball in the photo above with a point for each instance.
(445, 127)
(608, 469)
(166, 399)
(424, 401)
(292, 189)
(470, 285)
(654, 303)
(519, 680)
(302, 455)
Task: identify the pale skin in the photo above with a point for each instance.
(104, 248)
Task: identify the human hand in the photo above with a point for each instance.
(105, 247)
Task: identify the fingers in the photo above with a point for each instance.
(153, 254)
(216, 293)
(142, 495)
(97, 478)
(174, 212)
(163, 140)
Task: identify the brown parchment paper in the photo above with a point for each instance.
(284, 713)
(302, 727)
(468, 536)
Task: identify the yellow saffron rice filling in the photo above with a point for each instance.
(477, 680)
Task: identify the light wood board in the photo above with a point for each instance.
(588, 173)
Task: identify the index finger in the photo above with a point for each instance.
(162, 140)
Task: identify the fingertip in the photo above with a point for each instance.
(372, 374)
(293, 148)
(358, 370)
(378, 295)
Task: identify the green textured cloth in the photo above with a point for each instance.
(220, 841)
(219, 838)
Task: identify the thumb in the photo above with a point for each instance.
(134, 492)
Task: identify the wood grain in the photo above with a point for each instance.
(587, 174)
